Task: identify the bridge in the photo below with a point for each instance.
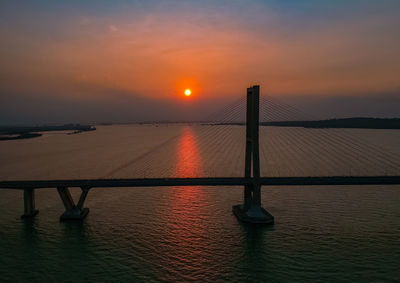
(251, 210)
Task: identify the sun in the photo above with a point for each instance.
(188, 92)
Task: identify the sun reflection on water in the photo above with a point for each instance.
(188, 159)
(187, 224)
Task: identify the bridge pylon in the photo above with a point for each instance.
(251, 211)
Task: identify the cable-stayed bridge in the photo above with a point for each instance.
(239, 146)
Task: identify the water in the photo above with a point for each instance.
(334, 234)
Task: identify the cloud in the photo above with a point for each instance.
(113, 28)
(77, 52)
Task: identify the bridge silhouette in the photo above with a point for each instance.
(330, 146)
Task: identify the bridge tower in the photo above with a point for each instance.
(251, 211)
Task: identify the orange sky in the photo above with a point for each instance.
(158, 53)
(156, 49)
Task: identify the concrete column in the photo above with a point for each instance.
(82, 198)
(66, 198)
(29, 203)
(247, 166)
(255, 119)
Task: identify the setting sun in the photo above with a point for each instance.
(188, 92)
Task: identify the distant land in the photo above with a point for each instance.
(356, 123)
(17, 133)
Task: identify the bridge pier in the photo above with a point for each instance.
(72, 211)
(251, 210)
(29, 204)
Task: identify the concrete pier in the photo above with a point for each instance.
(29, 204)
(253, 215)
(72, 211)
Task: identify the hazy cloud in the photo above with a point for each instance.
(73, 51)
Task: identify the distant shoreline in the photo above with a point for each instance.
(18, 133)
(345, 123)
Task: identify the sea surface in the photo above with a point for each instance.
(181, 234)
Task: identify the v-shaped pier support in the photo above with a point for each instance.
(251, 210)
(73, 211)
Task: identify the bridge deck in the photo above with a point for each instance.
(222, 181)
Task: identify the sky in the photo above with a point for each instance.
(127, 61)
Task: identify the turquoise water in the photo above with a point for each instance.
(321, 234)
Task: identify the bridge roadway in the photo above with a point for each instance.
(220, 181)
